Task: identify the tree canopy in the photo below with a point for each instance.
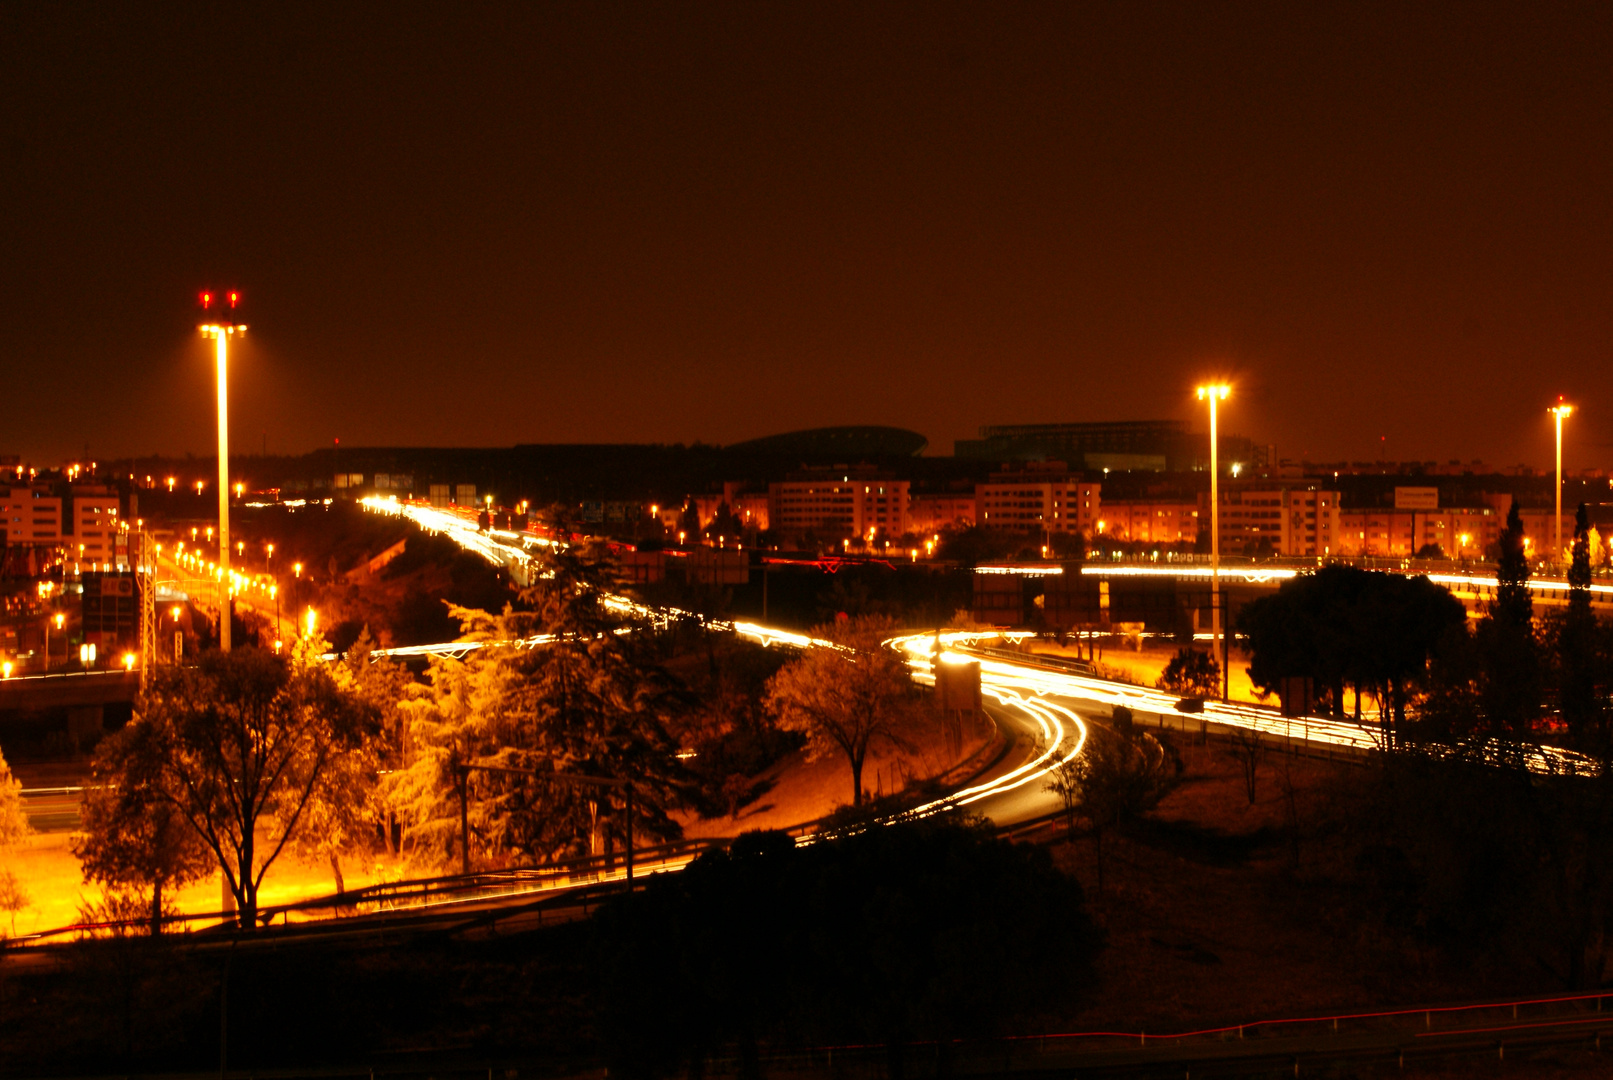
(923, 930)
(551, 691)
(1342, 626)
(236, 746)
(850, 698)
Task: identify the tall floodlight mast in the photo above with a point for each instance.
(1561, 411)
(221, 321)
(1215, 394)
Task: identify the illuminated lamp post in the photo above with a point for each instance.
(1214, 394)
(58, 619)
(1559, 412)
(220, 321)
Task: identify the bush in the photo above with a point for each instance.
(892, 934)
(1192, 674)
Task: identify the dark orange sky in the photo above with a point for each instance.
(472, 225)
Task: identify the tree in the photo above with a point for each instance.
(1191, 673)
(552, 689)
(240, 742)
(135, 840)
(13, 897)
(1376, 633)
(14, 827)
(887, 935)
(1510, 683)
(850, 697)
(1120, 774)
(724, 524)
(345, 805)
(1580, 654)
(1248, 750)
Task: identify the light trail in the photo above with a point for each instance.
(1027, 688)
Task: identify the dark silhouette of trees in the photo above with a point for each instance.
(848, 699)
(1341, 626)
(1510, 676)
(1581, 651)
(1248, 750)
(1191, 674)
(890, 935)
(1121, 773)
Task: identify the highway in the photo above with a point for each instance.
(1042, 711)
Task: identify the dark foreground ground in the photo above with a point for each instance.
(1217, 911)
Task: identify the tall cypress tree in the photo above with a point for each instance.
(1579, 653)
(1510, 689)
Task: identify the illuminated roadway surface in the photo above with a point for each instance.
(1041, 709)
(1044, 710)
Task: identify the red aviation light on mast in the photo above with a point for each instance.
(221, 312)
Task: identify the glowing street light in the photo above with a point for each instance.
(1213, 394)
(312, 621)
(1560, 412)
(58, 619)
(170, 485)
(221, 322)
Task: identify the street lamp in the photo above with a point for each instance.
(1213, 394)
(1559, 412)
(220, 321)
(58, 620)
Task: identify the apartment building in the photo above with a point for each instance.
(1460, 532)
(1150, 521)
(929, 514)
(1038, 500)
(1284, 521)
(33, 516)
(842, 505)
(95, 522)
(83, 523)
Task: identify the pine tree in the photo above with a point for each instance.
(14, 828)
(1580, 654)
(1510, 683)
(547, 694)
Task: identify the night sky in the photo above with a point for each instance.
(481, 225)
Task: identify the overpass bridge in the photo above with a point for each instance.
(1166, 595)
